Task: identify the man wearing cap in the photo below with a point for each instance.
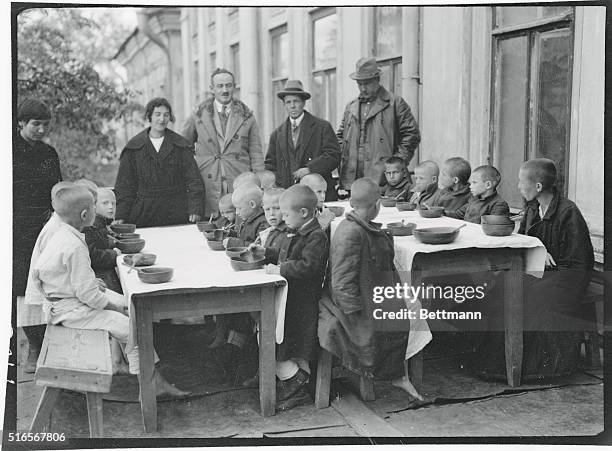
(302, 144)
(375, 126)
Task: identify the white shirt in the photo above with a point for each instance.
(298, 121)
(219, 107)
(157, 142)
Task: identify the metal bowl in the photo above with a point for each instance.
(155, 274)
(337, 210)
(216, 245)
(436, 235)
(235, 251)
(431, 212)
(497, 229)
(496, 219)
(239, 264)
(205, 226)
(405, 206)
(123, 228)
(139, 259)
(388, 201)
(401, 229)
(131, 245)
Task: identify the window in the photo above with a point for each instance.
(235, 67)
(196, 81)
(324, 58)
(388, 46)
(280, 69)
(532, 60)
(232, 20)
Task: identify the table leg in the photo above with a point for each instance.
(267, 353)
(513, 320)
(413, 368)
(144, 328)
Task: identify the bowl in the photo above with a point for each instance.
(220, 234)
(388, 201)
(209, 235)
(216, 245)
(431, 212)
(337, 210)
(496, 219)
(497, 229)
(405, 206)
(205, 226)
(127, 236)
(235, 251)
(155, 274)
(123, 228)
(139, 259)
(436, 235)
(131, 245)
(401, 229)
(240, 264)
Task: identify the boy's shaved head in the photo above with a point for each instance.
(273, 193)
(226, 201)
(299, 196)
(91, 186)
(58, 186)
(364, 193)
(247, 192)
(313, 179)
(431, 167)
(245, 178)
(70, 201)
(488, 173)
(459, 167)
(541, 170)
(267, 179)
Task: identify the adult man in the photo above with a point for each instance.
(302, 144)
(375, 126)
(227, 139)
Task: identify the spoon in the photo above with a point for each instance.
(460, 227)
(400, 194)
(424, 207)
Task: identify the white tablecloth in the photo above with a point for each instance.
(195, 265)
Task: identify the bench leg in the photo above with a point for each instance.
(42, 417)
(324, 367)
(366, 388)
(94, 413)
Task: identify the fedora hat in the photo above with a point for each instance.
(295, 88)
(365, 68)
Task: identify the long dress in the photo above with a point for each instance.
(158, 188)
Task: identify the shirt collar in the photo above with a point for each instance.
(297, 121)
(219, 106)
(72, 230)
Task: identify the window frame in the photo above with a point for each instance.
(276, 79)
(330, 107)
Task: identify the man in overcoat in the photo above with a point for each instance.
(375, 126)
(302, 144)
(227, 139)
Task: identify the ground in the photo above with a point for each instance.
(456, 404)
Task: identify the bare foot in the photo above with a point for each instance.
(163, 387)
(405, 384)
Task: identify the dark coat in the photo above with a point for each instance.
(303, 258)
(101, 252)
(393, 191)
(361, 258)
(425, 196)
(476, 207)
(451, 199)
(36, 168)
(222, 222)
(157, 189)
(390, 129)
(248, 230)
(317, 150)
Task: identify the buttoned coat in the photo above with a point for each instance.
(223, 157)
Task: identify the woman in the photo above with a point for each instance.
(36, 169)
(158, 182)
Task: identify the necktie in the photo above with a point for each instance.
(295, 131)
(223, 117)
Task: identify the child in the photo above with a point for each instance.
(267, 179)
(62, 274)
(361, 258)
(398, 181)
(227, 220)
(245, 178)
(425, 182)
(101, 245)
(485, 200)
(453, 183)
(247, 200)
(272, 236)
(318, 185)
(301, 259)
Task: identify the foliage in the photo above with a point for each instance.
(58, 54)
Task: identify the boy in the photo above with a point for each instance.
(267, 179)
(425, 182)
(101, 245)
(301, 259)
(318, 185)
(398, 181)
(62, 274)
(245, 178)
(247, 200)
(453, 183)
(485, 200)
(361, 258)
(273, 235)
(227, 211)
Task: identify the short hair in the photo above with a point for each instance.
(105, 190)
(247, 192)
(71, 200)
(267, 179)
(460, 168)
(30, 109)
(56, 188)
(91, 186)
(226, 201)
(396, 160)
(154, 103)
(244, 178)
(273, 192)
(488, 173)
(221, 70)
(541, 170)
(364, 193)
(430, 165)
(312, 178)
(300, 196)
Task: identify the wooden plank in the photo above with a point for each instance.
(267, 353)
(148, 401)
(513, 319)
(42, 416)
(323, 383)
(94, 413)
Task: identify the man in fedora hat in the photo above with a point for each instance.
(375, 126)
(302, 144)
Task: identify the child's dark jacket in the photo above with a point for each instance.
(425, 196)
(248, 230)
(100, 251)
(451, 199)
(476, 207)
(403, 188)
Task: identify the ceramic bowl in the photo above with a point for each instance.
(399, 229)
(235, 251)
(205, 226)
(497, 229)
(128, 236)
(216, 245)
(496, 219)
(209, 234)
(220, 234)
(155, 274)
(239, 263)
(431, 212)
(123, 228)
(388, 201)
(436, 235)
(139, 259)
(405, 206)
(131, 245)
(337, 210)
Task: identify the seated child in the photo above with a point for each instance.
(485, 200)
(361, 258)
(227, 220)
(425, 182)
(62, 274)
(318, 185)
(453, 183)
(245, 178)
(301, 259)
(272, 236)
(552, 303)
(267, 179)
(398, 180)
(247, 200)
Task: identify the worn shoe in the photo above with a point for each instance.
(300, 398)
(286, 389)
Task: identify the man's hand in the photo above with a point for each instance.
(301, 173)
(272, 269)
(101, 285)
(550, 261)
(194, 218)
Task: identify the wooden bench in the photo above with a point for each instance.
(78, 360)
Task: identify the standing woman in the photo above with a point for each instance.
(36, 169)
(158, 182)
